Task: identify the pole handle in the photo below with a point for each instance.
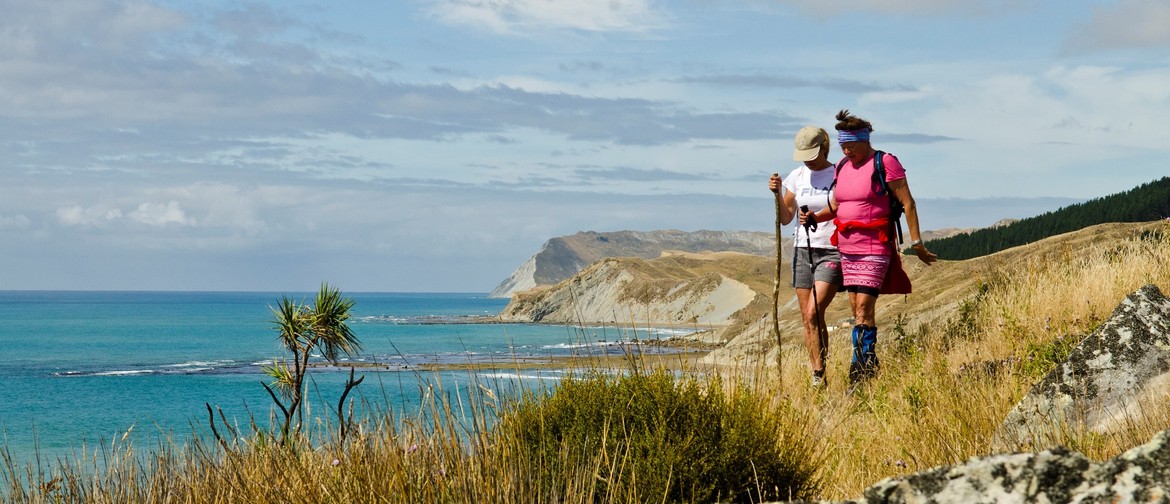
(810, 224)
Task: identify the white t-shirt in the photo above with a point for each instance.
(811, 188)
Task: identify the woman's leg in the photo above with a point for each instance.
(864, 307)
(825, 293)
(816, 334)
(865, 362)
(863, 278)
(811, 340)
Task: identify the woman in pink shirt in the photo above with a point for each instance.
(860, 207)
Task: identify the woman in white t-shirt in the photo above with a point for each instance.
(816, 264)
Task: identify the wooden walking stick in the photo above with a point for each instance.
(776, 290)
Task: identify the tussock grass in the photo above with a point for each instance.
(946, 385)
(647, 434)
(660, 437)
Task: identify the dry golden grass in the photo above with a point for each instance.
(956, 357)
(446, 452)
(950, 376)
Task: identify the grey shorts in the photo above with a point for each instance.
(827, 264)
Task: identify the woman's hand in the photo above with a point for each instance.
(774, 183)
(805, 217)
(924, 255)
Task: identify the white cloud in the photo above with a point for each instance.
(1110, 90)
(233, 207)
(1047, 131)
(70, 25)
(517, 16)
(77, 215)
(1022, 105)
(161, 214)
(135, 20)
(1124, 24)
(151, 214)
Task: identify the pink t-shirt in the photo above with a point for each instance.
(858, 200)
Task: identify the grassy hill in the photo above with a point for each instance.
(971, 340)
(1147, 202)
(943, 292)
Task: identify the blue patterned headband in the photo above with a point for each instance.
(845, 136)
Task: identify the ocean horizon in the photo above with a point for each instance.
(87, 368)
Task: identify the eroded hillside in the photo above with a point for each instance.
(727, 295)
(564, 256)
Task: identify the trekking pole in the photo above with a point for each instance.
(822, 332)
(776, 291)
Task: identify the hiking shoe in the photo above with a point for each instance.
(856, 373)
(861, 371)
(859, 374)
(818, 383)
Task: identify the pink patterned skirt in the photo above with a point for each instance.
(864, 270)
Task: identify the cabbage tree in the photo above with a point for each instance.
(304, 330)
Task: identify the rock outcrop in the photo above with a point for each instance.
(562, 257)
(1106, 379)
(1141, 474)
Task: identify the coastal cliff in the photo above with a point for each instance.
(713, 293)
(564, 256)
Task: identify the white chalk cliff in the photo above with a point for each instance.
(711, 292)
(564, 256)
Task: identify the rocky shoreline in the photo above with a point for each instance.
(686, 358)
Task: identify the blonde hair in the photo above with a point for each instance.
(824, 136)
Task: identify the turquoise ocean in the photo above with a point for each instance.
(80, 370)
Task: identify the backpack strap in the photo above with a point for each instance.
(879, 172)
(837, 173)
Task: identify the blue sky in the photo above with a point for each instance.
(435, 145)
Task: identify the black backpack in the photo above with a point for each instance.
(879, 175)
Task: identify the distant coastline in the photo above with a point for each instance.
(685, 358)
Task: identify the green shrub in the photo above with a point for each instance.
(1040, 359)
(642, 437)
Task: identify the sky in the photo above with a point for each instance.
(434, 146)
